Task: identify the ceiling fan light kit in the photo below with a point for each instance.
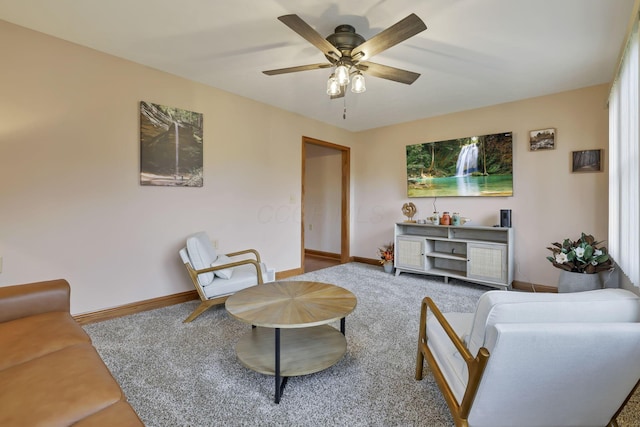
(333, 87)
(357, 85)
(346, 51)
(342, 74)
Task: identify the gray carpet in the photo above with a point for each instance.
(177, 374)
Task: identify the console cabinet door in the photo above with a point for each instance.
(487, 262)
(410, 252)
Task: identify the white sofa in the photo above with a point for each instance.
(535, 359)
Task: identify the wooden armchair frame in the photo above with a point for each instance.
(206, 303)
(475, 365)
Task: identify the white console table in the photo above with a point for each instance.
(476, 254)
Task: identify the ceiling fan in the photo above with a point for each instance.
(349, 52)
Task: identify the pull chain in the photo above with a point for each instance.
(344, 112)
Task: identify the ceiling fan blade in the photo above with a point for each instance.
(389, 73)
(296, 69)
(397, 33)
(309, 34)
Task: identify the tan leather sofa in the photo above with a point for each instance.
(50, 374)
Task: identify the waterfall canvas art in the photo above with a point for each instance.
(170, 146)
(472, 166)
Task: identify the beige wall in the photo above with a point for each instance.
(71, 205)
(549, 202)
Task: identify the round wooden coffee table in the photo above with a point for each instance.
(290, 334)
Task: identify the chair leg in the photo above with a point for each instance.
(419, 364)
(422, 339)
(198, 311)
(205, 305)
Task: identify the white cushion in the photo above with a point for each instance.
(601, 305)
(244, 276)
(453, 366)
(556, 374)
(225, 273)
(201, 254)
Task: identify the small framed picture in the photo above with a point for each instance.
(587, 161)
(542, 139)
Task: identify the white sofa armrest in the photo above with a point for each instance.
(564, 374)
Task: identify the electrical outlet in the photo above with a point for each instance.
(310, 227)
(214, 242)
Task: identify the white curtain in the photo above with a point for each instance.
(624, 164)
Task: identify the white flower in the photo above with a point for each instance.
(594, 262)
(561, 258)
(597, 252)
(579, 252)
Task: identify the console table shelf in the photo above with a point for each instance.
(447, 255)
(476, 254)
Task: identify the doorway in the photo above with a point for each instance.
(336, 246)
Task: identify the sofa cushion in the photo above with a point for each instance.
(453, 367)
(225, 273)
(33, 298)
(201, 254)
(34, 336)
(602, 305)
(244, 276)
(119, 414)
(556, 374)
(57, 389)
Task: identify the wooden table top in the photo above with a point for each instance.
(291, 304)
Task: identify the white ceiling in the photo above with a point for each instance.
(474, 53)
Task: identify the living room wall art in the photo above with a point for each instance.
(471, 166)
(542, 139)
(170, 146)
(586, 161)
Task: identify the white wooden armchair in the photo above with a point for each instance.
(526, 359)
(216, 277)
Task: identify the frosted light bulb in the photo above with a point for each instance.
(342, 74)
(357, 84)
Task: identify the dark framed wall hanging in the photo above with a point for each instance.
(587, 161)
(170, 146)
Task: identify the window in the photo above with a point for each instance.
(624, 163)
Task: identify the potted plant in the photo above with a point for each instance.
(580, 261)
(386, 257)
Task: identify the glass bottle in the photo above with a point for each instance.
(435, 219)
(455, 219)
(446, 219)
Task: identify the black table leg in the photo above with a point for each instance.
(280, 382)
(342, 325)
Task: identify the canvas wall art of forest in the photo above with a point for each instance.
(586, 161)
(170, 146)
(472, 166)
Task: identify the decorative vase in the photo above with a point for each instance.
(578, 282)
(388, 267)
(445, 219)
(455, 219)
(435, 218)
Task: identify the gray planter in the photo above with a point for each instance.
(388, 267)
(578, 282)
